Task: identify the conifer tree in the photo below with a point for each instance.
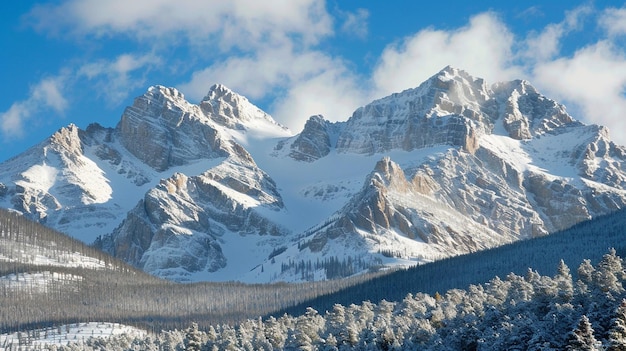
(610, 273)
(564, 283)
(582, 338)
(193, 338)
(617, 333)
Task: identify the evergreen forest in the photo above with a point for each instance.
(520, 296)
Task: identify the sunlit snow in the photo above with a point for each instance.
(37, 339)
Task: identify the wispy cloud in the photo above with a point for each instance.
(592, 80)
(253, 48)
(613, 20)
(237, 23)
(47, 94)
(355, 23)
(302, 83)
(545, 44)
(531, 13)
(114, 79)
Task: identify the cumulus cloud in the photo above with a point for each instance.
(252, 75)
(332, 91)
(46, 94)
(592, 80)
(112, 79)
(12, 120)
(253, 48)
(311, 83)
(483, 47)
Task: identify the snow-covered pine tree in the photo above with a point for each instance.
(586, 273)
(617, 333)
(564, 283)
(275, 333)
(582, 338)
(211, 337)
(193, 338)
(610, 273)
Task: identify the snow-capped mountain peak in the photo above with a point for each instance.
(170, 92)
(220, 191)
(234, 111)
(218, 91)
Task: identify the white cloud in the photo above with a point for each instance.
(253, 76)
(12, 120)
(546, 44)
(483, 48)
(530, 13)
(614, 21)
(592, 80)
(238, 23)
(355, 23)
(332, 91)
(255, 49)
(303, 83)
(46, 94)
(114, 79)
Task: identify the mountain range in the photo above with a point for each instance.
(220, 191)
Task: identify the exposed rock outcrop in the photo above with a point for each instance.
(176, 229)
(163, 130)
(451, 108)
(313, 142)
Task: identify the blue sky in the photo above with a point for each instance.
(83, 61)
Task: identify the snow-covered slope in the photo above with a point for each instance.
(52, 338)
(220, 191)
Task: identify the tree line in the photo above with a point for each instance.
(519, 312)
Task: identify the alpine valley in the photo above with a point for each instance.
(219, 191)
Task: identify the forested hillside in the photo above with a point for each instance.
(527, 312)
(44, 283)
(587, 240)
(47, 278)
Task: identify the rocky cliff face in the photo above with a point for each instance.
(176, 229)
(525, 113)
(49, 176)
(314, 142)
(163, 130)
(220, 191)
(451, 108)
(498, 201)
(232, 110)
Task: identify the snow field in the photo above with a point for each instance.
(62, 335)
